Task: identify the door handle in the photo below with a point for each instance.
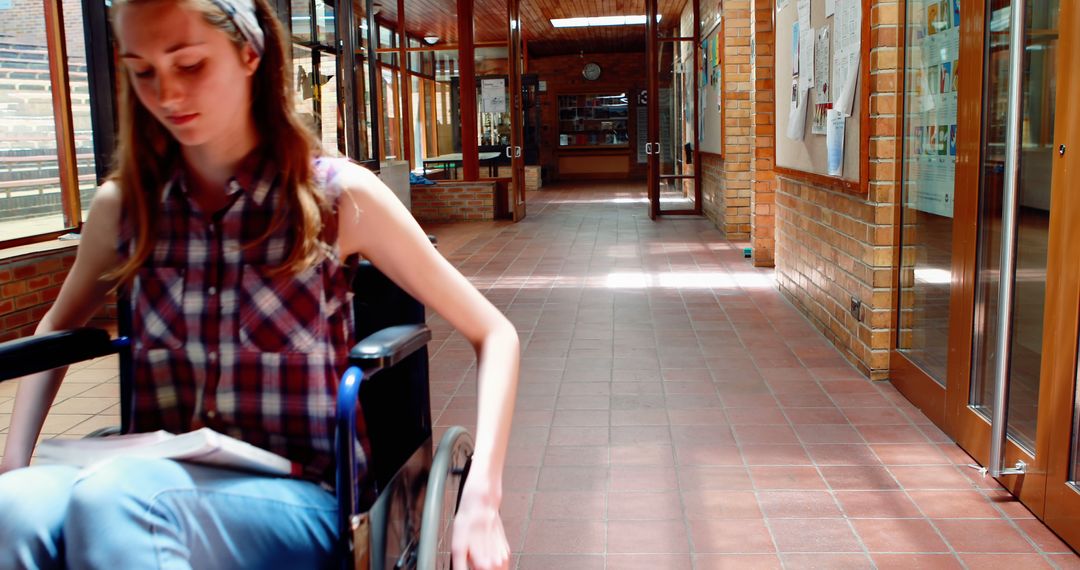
(657, 144)
(648, 148)
(508, 150)
(517, 152)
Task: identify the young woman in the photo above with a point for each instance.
(233, 230)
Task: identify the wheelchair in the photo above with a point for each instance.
(401, 514)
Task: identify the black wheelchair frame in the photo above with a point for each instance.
(400, 514)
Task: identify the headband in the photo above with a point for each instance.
(242, 14)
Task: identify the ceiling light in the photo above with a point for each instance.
(431, 40)
(594, 21)
(570, 22)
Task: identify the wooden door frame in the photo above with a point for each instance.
(517, 116)
(1062, 316)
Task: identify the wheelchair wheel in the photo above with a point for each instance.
(449, 469)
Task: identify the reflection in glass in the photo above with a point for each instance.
(931, 79)
(1033, 219)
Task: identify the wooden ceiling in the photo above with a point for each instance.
(439, 18)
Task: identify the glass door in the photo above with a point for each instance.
(996, 404)
(673, 74)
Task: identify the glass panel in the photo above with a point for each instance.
(388, 39)
(324, 23)
(79, 90)
(362, 90)
(419, 114)
(301, 21)
(493, 108)
(677, 104)
(929, 166)
(391, 116)
(304, 70)
(331, 129)
(1033, 217)
(30, 200)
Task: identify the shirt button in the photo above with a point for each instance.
(212, 356)
(211, 414)
(212, 291)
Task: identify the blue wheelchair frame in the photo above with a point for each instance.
(399, 515)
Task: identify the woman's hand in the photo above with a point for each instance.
(479, 541)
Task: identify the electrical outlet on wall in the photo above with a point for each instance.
(856, 308)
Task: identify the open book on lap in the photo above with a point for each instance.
(204, 446)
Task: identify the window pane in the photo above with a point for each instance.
(324, 23)
(301, 21)
(328, 104)
(304, 71)
(29, 171)
(79, 85)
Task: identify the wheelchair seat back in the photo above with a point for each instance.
(395, 402)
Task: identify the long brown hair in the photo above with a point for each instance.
(147, 155)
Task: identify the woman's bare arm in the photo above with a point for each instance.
(373, 223)
(80, 297)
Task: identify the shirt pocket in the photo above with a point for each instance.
(280, 312)
(158, 295)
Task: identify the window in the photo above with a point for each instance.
(47, 173)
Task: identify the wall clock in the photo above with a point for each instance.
(591, 71)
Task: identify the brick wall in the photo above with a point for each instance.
(731, 195)
(621, 72)
(454, 202)
(712, 188)
(28, 286)
(832, 245)
(763, 184)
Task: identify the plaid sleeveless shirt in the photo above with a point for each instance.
(220, 341)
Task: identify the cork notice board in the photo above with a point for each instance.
(810, 155)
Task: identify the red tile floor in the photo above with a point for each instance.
(675, 411)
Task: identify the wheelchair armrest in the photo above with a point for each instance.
(43, 352)
(389, 346)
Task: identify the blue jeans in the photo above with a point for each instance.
(158, 513)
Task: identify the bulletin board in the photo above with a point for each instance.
(710, 86)
(808, 157)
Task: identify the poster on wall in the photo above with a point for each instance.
(493, 95)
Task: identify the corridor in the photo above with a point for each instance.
(675, 411)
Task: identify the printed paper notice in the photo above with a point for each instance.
(847, 40)
(806, 57)
(493, 95)
(781, 4)
(803, 6)
(796, 126)
(822, 71)
(834, 141)
(830, 8)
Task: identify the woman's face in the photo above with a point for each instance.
(187, 73)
